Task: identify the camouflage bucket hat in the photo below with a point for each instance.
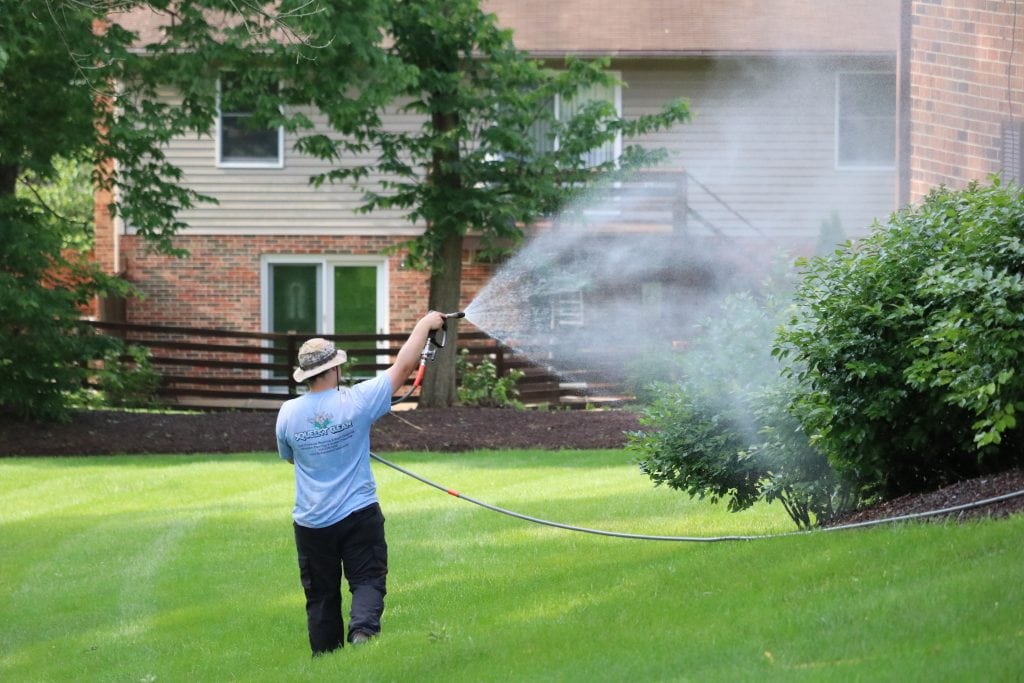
(315, 356)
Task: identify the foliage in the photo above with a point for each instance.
(271, 54)
(45, 352)
(80, 87)
(479, 384)
(647, 369)
(83, 94)
(693, 446)
(121, 378)
(473, 165)
(65, 201)
(77, 96)
(47, 280)
(722, 431)
(798, 475)
(830, 235)
(907, 346)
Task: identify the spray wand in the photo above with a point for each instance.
(436, 340)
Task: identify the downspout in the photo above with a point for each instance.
(116, 225)
(903, 123)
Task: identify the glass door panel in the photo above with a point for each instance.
(294, 304)
(355, 312)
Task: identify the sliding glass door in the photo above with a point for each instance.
(323, 295)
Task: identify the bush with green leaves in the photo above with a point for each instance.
(908, 345)
(480, 385)
(723, 432)
(122, 378)
(43, 288)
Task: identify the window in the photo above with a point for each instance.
(565, 109)
(866, 120)
(239, 143)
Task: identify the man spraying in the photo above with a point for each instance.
(339, 527)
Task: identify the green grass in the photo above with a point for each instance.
(183, 568)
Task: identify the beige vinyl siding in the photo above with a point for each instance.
(763, 139)
(280, 200)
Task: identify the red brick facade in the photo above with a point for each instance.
(965, 63)
(218, 285)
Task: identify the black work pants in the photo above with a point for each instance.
(355, 548)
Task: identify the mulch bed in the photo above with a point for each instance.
(448, 430)
(954, 495)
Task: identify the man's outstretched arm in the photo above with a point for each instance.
(409, 355)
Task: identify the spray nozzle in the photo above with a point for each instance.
(456, 314)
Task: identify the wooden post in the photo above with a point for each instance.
(499, 361)
(293, 387)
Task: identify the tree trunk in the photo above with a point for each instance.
(439, 388)
(8, 179)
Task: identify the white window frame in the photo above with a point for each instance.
(847, 166)
(616, 102)
(244, 163)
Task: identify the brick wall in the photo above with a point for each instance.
(218, 285)
(104, 253)
(966, 80)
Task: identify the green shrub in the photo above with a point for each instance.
(696, 444)
(908, 345)
(479, 385)
(45, 349)
(723, 431)
(797, 474)
(122, 378)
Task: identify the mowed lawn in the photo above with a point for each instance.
(182, 568)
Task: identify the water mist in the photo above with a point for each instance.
(609, 282)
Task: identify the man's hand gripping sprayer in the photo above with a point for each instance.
(435, 341)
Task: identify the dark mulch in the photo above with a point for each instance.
(449, 430)
(954, 495)
(444, 430)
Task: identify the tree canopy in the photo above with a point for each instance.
(78, 92)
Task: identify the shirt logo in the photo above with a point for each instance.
(322, 426)
(321, 420)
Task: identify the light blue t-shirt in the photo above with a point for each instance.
(327, 435)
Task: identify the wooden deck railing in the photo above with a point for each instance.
(225, 369)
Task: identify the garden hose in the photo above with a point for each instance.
(694, 539)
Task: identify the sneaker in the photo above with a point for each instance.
(358, 638)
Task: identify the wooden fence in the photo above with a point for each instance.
(214, 369)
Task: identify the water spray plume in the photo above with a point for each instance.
(601, 287)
